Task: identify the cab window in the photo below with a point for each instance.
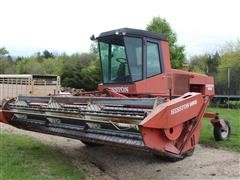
(114, 63)
(134, 53)
(153, 60)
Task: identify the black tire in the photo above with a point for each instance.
(175, 159)
(168, 158)
(90, 144)
(220, 134)
(189, 153)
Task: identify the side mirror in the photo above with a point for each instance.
(92, 38)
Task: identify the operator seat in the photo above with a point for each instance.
(121, 72)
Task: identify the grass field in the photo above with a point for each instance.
(233, 116)
(23, 158)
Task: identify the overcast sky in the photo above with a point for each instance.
(28, 26)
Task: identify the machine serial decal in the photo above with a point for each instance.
(183, 107)
(119, 89)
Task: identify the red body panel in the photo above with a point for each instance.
(2, 119)
(174, 126)
(5, 117)
(166, 56)
(180, 82)
(175, 112)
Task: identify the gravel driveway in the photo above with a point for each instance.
(113, 163)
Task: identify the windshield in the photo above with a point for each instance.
(117, 66)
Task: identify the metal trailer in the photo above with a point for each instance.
(13, 85)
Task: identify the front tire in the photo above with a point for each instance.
(221, 134)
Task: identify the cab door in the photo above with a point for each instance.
(153, 59)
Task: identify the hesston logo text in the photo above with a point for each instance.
(119, 89)
(183, 107)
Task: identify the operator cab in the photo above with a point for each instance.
(130, 55)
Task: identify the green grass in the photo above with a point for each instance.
(233, 116)
(23, 158)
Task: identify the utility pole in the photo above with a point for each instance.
(229, 84)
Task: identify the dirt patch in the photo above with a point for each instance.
(107, 163)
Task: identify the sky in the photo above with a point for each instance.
(29, 26)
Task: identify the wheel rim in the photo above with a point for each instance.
(224, 133)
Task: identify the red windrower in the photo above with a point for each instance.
(143, 103)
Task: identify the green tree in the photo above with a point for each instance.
(52, 66)
(198, 63)
(47, 54)
(229, 59)
(6, 66)
(160, 25)
(217, 65)
(3, 51)
(29, 65)
(206, 63)
(94, 48)
(81, 71)
(72, 76)
(6, 62)
(212, 64)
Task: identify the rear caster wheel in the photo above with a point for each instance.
(221, 133)
(90, 144)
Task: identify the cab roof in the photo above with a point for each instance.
(132, 32)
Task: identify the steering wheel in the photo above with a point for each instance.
(121, 60)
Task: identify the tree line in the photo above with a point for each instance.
(76, 70)
(224, 66)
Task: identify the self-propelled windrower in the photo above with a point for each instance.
(142, 103)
